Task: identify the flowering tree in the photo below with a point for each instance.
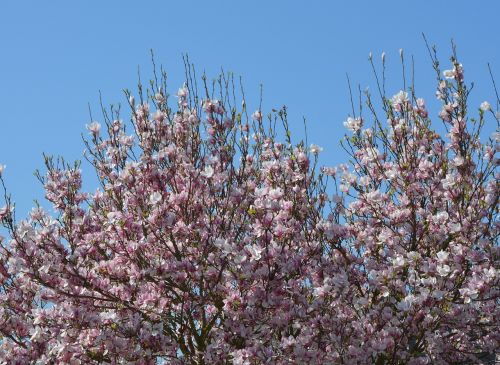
(211, 242)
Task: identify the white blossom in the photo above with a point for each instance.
(315, 149)
(485, 106)
(257, 115)
(443, 270)
(255, 251)
(155, 198)
(400, 98)
(353, 124)
(449, 74)
(208, 172)
(94, 128)
(442, 255)
(398, 261)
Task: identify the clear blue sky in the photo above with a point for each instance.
(56, 55)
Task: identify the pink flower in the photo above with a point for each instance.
(275, 194)
(254, 251)
(458, 161)
(443, 270)
(400, 100)
(94, 128)
(353, 124)
(257, 115)
(315, 149)
(159, 97)
(330, 171)
(207, 245)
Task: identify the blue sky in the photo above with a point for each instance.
(57, 55)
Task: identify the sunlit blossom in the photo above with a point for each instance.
(315, 149)
(213, 239)
(257, 115)
(485, 106)
(353, 124)
(94, 128)
(208, 172)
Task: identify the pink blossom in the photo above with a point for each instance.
(400, 100)
(212, 240)
(315, 149)
(353, 124)
(94, 128)
(257, 115)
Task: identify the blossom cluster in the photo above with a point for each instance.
(212, 242)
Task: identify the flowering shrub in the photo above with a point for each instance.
(211, 242)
